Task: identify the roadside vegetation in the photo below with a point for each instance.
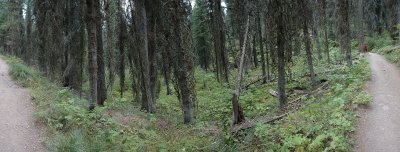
(387, 47)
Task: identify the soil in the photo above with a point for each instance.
(19, 131)
(379, 124)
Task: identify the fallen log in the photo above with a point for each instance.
(392, 49)
(262, 120)
(273, 93)
(254, 122)
(247, 86)
(319, 88)
(267, 119)
(258, 80)
(300, 92)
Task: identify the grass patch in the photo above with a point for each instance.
(18, 71)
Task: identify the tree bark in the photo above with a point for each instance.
(344, 33)
(221, 59)
(255, 59)
(29, 39)
(260, 39)
(81, 45)
(238, 115)
(316, 35)
(121, 48)
(268, 42)
(111, 24)
(92, 52)
(166, 68)
(306, 11)
(101, 91)
(152, 8)
(147, 100)
(360, 25)
(66, 78)
(281, 44)
(183, 61)
(324, 28)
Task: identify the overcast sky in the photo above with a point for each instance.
(194, 2)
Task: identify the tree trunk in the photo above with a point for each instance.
(398, 20)
(255, 60)
(360, 25)
(92, 51)
(381, 19)
(121, 48)
(324, 28)
(272, 45)
(317, 40)
(166, 55)
(344, 33)
(281, 44)
(134, 56)
(167, 68)
(121, 67)
(306, 11)
(81, 45)
(66, 77)
(297, 43)
(30, 51)
(221, 59)
(307, 44)
(260, 39)
(101, 91)
(111, 23)
(183, 61)
(238, 115)
(147, 100)
(268, 36)
(152, 7)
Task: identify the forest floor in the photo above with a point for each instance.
(379, 125)
(18, 129)
(324, 122)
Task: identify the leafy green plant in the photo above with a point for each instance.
(363, 98)
(379, 41)
(18, 71)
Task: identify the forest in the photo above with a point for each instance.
(200, 75)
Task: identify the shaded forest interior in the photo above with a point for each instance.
(229, 74)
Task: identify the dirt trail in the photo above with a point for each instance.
(18, 130)
(379, 126)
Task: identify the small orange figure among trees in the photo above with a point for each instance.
(365, 48)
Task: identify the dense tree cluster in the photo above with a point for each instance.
(95, 41)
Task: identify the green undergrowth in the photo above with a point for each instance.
(73, 128)
(378, 42)
(324, 122)
(386, 46)
(391, 52)
(327, 123)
